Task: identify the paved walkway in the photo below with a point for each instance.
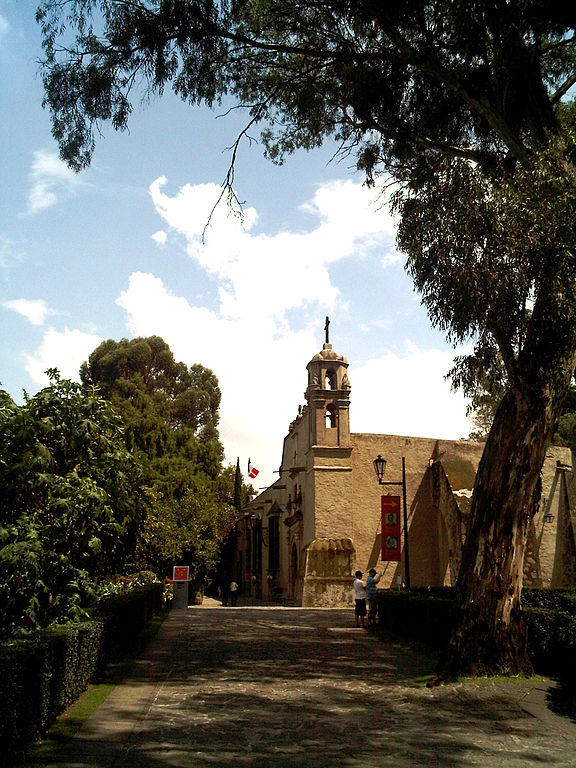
(296, 688)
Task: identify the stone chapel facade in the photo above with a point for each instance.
(303, 537)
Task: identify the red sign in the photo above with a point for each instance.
(180, 573)
(391, 528)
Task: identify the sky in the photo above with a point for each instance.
(122, 250)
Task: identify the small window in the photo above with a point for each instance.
(331, 381)
(330, 416)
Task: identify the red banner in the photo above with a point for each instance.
(391, 528)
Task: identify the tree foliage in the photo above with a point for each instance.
(492, 261)
(402, 81)
(170, 413)
(70, 503)
(192, 529)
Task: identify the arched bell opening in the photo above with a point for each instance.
(331, 416)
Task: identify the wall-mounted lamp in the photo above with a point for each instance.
(255, 524)
(379, 468)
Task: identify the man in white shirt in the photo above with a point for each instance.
(360, 598)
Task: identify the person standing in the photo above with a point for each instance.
(372, 595)
(225, 590)
(233, 593)
(360, 598)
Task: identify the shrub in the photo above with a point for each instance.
(550, 599)
(552, 641)
(126, 614)
(550, 617)
(42, 674)
(419, 617)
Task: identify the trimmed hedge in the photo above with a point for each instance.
(126, 615)
(416, 616)
(550, 617)
(550, 599)
(552, 641)
(41, 675)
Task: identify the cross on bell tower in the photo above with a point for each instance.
(328, 396)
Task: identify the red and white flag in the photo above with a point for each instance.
(252, 471)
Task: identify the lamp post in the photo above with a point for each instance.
(380, 468)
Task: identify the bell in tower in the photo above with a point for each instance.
(328, 396)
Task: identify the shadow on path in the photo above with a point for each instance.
(305, 689)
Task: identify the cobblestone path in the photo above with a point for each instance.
(296, 688)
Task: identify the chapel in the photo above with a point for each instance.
(302, 539)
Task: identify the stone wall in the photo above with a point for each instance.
(328, 568)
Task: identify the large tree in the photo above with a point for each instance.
(170, 411)
(460, 102)
(170, 414)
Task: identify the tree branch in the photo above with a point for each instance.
(563, 89)
(451, 79)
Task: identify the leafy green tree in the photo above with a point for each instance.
(190, 530)
(485, 282)
(461, 103)
(70, 503)
(170, 413)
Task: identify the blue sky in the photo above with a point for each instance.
(116, 251)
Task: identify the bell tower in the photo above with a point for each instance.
(328, 397)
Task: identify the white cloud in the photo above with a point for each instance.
(413, 398)
(264, 276)
(65, 350)
(4, 26)
(50, 178)
(250, 340)
(160, 237)
(391, 258)
(347, 207)
(6, 251)
(35, 310)
(260, 368)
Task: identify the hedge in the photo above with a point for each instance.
(416, 616)
(428, 617)
(41, 675)
(126, 615)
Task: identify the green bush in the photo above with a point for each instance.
(24, 693)
(550, 599)
(552, 641)
(419, 617)
(442, 593)
(40, 677)
(42, 674)
(550, 618)
(76, 659)
(126, 614)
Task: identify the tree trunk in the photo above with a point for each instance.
(490, 636)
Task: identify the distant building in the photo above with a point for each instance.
(304, 536)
